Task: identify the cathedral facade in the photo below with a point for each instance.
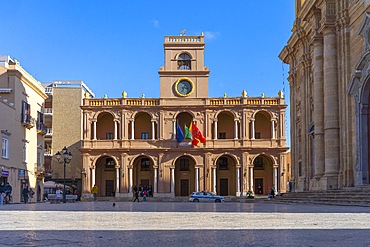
(234, 145)
(329, 60)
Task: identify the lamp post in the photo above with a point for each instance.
(67, 157)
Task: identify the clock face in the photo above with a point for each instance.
(184, 87)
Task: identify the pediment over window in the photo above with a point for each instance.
(364, 30)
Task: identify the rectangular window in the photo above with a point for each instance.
(184, 165)
(300, 168)
(109, 136)
(40, 121)
(26, 112)
(5, 147)
(39, 157)
(257, 135)
(144, 135)
(258, 163)
(24, 151)
(145, 164)
(223, 163)
(109, 163)
(222, 135)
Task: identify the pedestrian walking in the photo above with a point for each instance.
(25, 194)
(95, 190)
(136, 193)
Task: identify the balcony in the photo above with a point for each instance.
(28, 121)
(48, 152)
(41, 128)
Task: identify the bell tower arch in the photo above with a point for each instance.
(184, 74)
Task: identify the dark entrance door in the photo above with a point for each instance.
(109, 187)
(258, 186)
(184, 187)
(224, 187)
(145, 182)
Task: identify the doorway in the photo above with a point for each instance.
(224, 187)
(184, 187)
(258, 188)
(109, 187)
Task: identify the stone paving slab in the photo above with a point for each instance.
(183, 224)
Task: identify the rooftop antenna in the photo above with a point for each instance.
(182, 32)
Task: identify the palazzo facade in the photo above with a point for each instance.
(130, 142)
(329, 58)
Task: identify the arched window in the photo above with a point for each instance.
(184, 62)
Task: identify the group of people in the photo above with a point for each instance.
(5, 193)
(143, 192)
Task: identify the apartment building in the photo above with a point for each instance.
(63, 119)
(22, 128)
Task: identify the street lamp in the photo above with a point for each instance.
(67, 157)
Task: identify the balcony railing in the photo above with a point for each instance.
(28, 121)
(48, 152)
(49, 90)
(49, 131)
(48, 110)
(112, 102)
(41, 128)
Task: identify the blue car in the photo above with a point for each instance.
(205, 197)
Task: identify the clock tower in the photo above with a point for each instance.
(184, 74)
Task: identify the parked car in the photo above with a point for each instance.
(205, 197)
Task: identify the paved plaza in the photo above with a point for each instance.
(183, 224)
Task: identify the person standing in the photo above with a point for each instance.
(144, 195)
(25, 194)
(8, 191)
(30, 194)
(95, 190)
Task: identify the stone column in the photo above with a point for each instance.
(94, 123)
(318, 114)
(172, 180)
(133, 129)
(275, 178)
(92, 176)
(331, 108)
(215, 130)
(238, 180)
(272, 129)
(251, 186)
(197, 179)
(214, 171)
(252, 129)
(130, 180)
(155, 181)
(115, 130)
(86, 178)
(174, 129)
(235, 129)
(153, 130)
(117, 179)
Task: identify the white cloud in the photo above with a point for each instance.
(155, 23)
(210, 35)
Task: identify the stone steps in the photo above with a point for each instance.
(344, 197)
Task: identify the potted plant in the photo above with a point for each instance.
(250, 196)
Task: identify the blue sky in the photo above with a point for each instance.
(118, 45)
